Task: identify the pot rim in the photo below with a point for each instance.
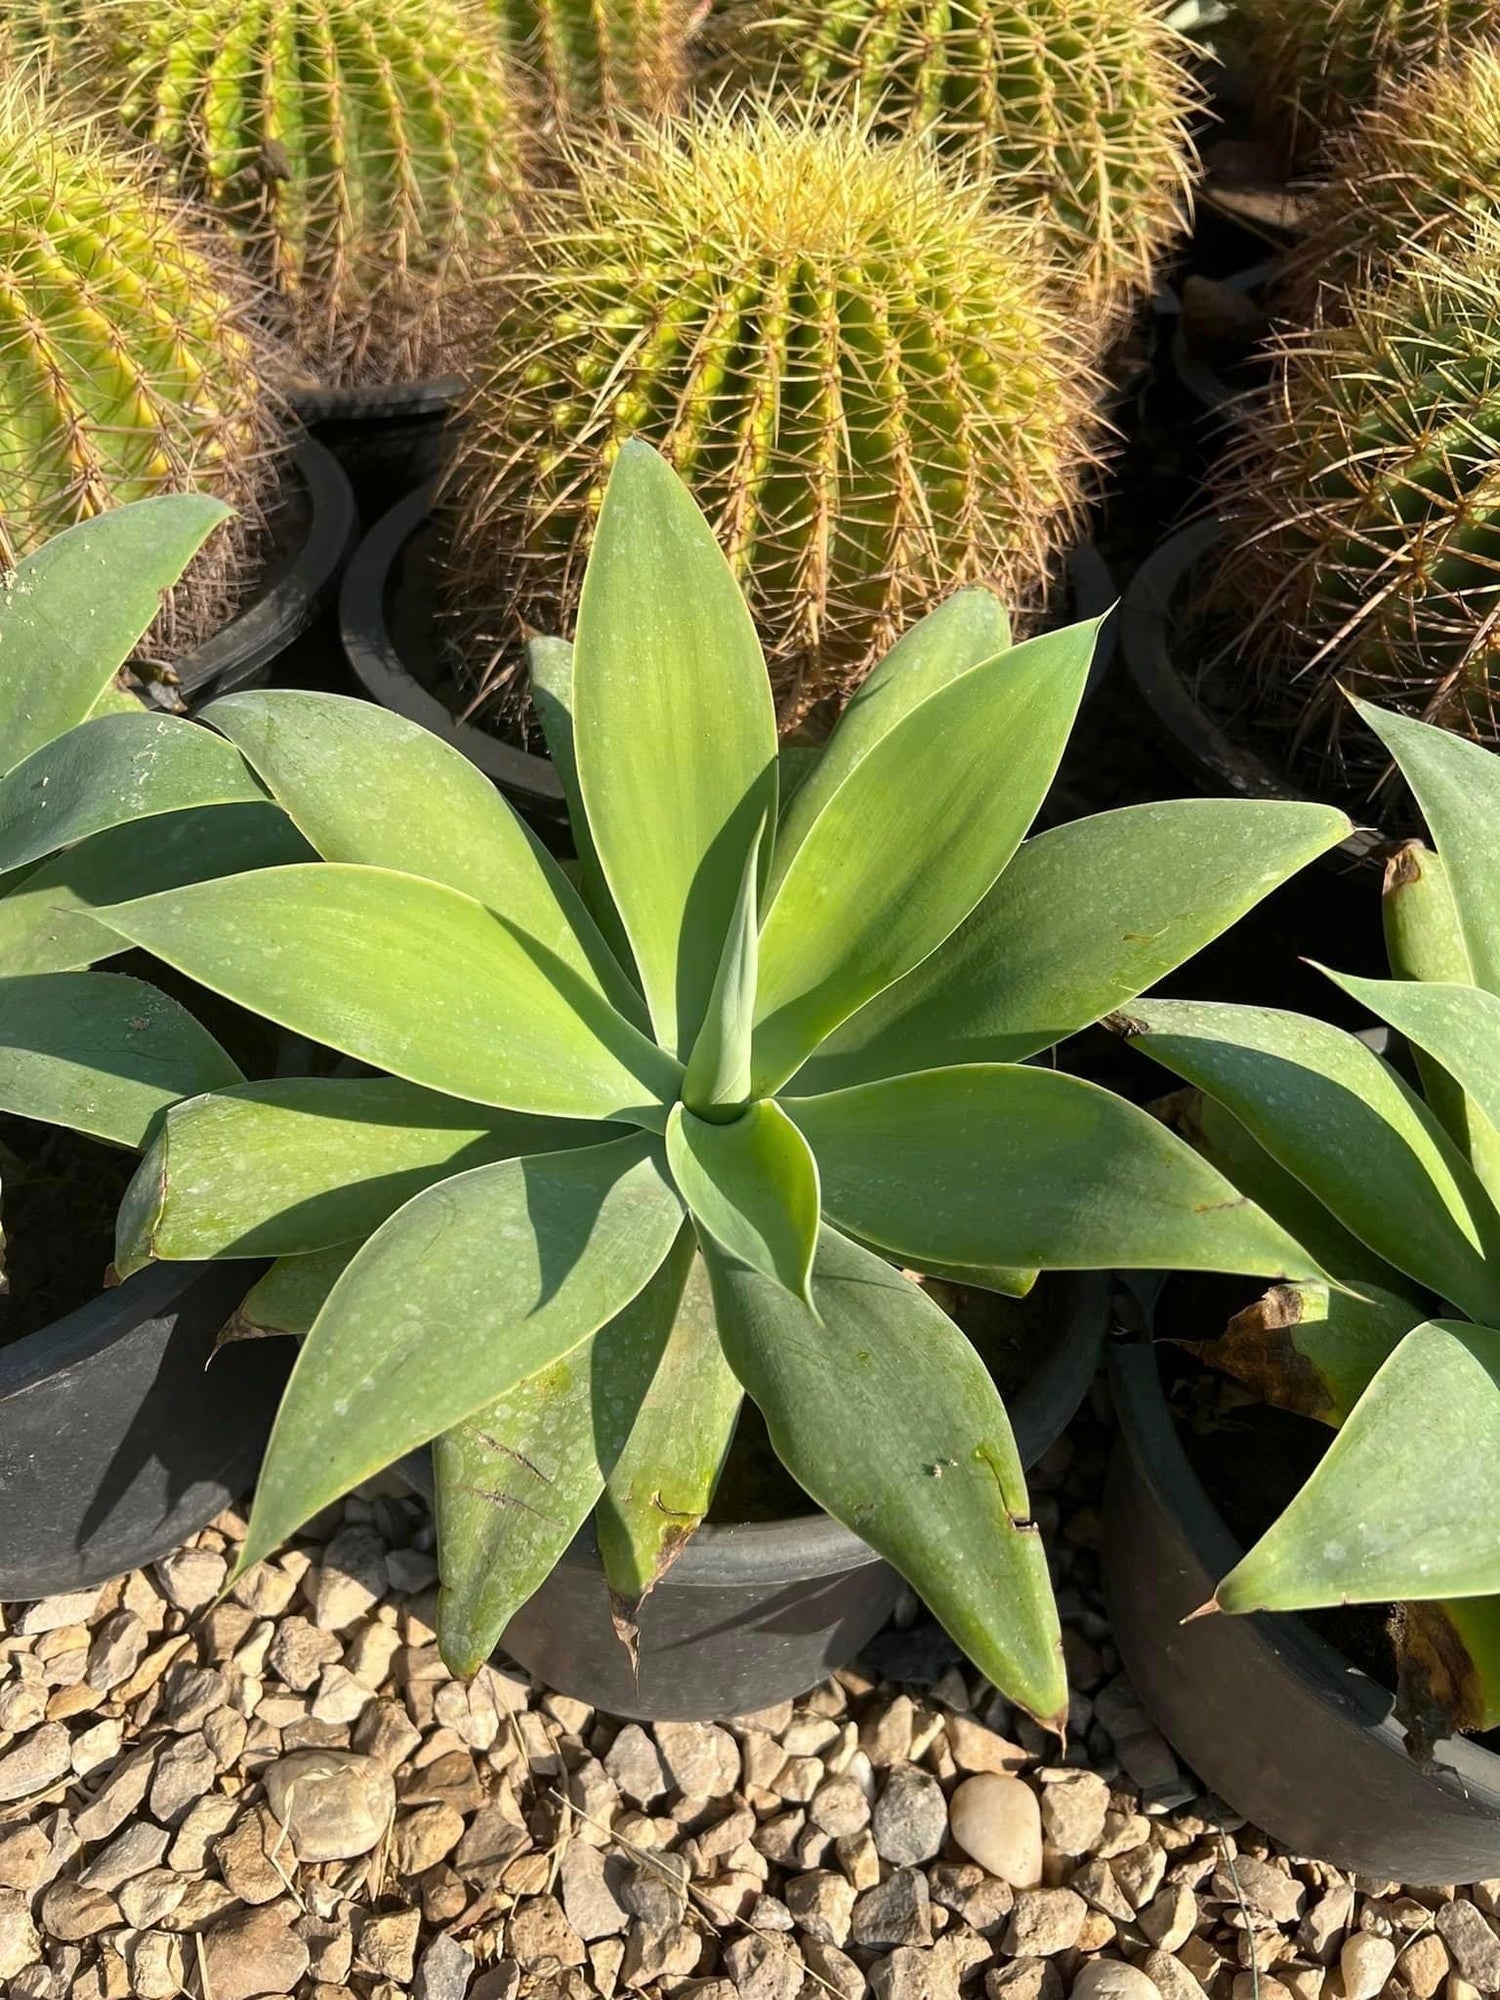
(1200, 745)
(100, 1322)
(1456, 1763)
(420, 396)
(372, 651)
(237, 654)
(745, 1554)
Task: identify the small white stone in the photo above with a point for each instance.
(1112, 1979)
(997, 1822)
(190, 1578)
(1365, 1964)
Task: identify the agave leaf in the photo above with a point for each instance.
(1457, 785)
(1085, 917)
(72, 613)
(674, 733)
(1456, 1027)
(910, 842)
(365, 785)
(411, 977)
(1448, 1668)
(1223, 1141)
(106, 773)
(918, 1459)
(1003, 1164)
(1310, 1347)
(662, 1482)
(550, 663)
(45, 920)
(303, 1163)
(753, 1185)
(101, 1053)
(292, 1293)
(718, 1071)
(1404, 1502)
(1010, 1279)
(1331, 1112)
(515, 1482)
(968, 628)
(1424, 940)
(475, 1284)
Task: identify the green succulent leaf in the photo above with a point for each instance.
(1003, 1164)
(918, 1459)
(46, 923)
(1424, 940)
(967, 629)
(412, 977)
(1339, 1118)
(474, 1285)
(292, 1293)
(753, 1185)
(1458, 1027)
(1085, 917)
(910, 842)
(304, 1163)
(72, 613)
(101, 1053)
(674, 733)
(660, 1486)
(1457, 785)
(108, 772)
(365, 785)
(717, 1080)
(1373, 1524)
(550, 665)
(516, 1481)
(1223, 1141)
(1311, 1347)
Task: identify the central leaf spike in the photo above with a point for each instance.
(717, 1084)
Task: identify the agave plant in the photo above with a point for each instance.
(639, 1148)
(98, 797)
(1397, 1193)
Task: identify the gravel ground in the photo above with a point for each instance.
(288, 1794)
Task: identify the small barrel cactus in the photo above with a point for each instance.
(359, 148)
(1313, 63)
(1076, 111)
(1418, 166)
(602, 59)
(132, 363)
(853, 362)
(1363, 508)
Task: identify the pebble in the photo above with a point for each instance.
(192, 1577)
(997, 1822)
(1171, 1916)
(1044, 1922)
(897, 1911)
(1074, 1805)
(1112, 1979)
(336, 1805)
(247, 1953)
(589, 1902)
(185, 1770)
(387, 1945)
(37, 1762)
(821, 1904)
(444, 1971)
(353, 1577)
(635, 1767)
(702, 1760)
(910, 1817)
(20, 1945)
(55, 1614)
(1472, 1943)
(1365, 1964)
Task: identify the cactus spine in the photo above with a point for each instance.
(852, 361)
(1076, 110)
(360, 148)
(1364, 507)
(602, 59)
(1318, 61)
(129, 363)
(1418, 167)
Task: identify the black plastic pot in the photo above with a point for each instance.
(1275, 1721)
(753, 1614)
(1199, 376)
(122, 1432)
(387, 613)
(294, 596)
(388, 439)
